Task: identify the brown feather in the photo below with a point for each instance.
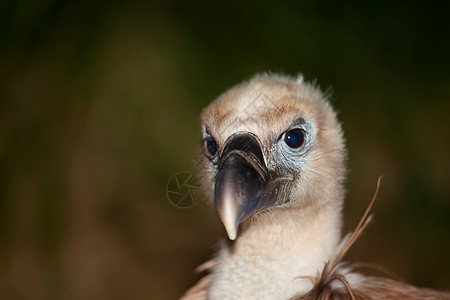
(199, 290)
(370, 287)
(373, 287)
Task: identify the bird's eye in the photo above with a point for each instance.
(294, 138)
(211, 146)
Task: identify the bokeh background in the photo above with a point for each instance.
(99, 103)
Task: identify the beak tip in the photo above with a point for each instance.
(229, 216)
(232, 233)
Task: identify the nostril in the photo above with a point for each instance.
(246, 142)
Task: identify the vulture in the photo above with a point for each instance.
(272, 162)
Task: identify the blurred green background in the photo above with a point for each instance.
(99, 103)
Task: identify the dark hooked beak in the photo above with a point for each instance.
(242, 182)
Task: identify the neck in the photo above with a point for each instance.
(273, 251)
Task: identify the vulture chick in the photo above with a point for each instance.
(273, 164)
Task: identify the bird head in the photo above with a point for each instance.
(269, 144)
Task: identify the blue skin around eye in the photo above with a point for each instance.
(294, 158)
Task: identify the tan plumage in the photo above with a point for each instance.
(273, 161)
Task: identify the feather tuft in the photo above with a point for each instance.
(324, 283)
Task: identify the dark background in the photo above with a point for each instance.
(99, 103)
